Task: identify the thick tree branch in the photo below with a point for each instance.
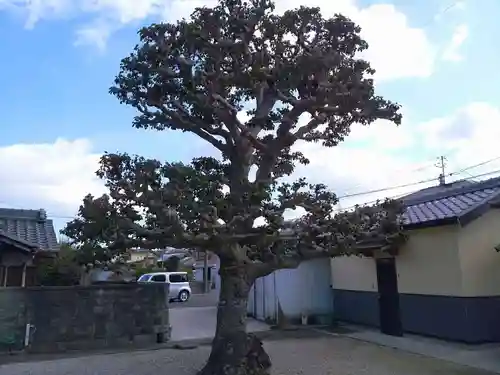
(187, 123)
(310, 126)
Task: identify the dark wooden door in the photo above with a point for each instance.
(388, 297)
(15, 276)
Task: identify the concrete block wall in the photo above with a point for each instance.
(97, 316)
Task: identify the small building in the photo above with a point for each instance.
(213, 264)
(142, 258)
(444, 282)
(155, 257)
(26, 237)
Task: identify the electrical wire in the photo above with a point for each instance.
(477, 165)
(393, 187)
(388, 188)
(407, 193)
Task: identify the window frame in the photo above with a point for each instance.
(159, 281)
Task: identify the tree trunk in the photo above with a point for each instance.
(234, 352)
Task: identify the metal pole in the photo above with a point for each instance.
(205, 273)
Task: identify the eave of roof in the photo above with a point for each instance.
(457, 205)
(17, 242)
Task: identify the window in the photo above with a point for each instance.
(178, 278)
(159, 278)
(144, 277)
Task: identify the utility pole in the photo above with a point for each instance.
(441, 164)
(206, 289)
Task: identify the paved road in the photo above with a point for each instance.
(196, 318)
(199, 323)
(197, 300)
(305, 356)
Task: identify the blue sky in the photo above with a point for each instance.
(60, 59)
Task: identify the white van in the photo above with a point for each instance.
(178, 281)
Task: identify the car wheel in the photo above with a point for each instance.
(183, 296)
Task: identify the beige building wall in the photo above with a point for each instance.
(479, 260)
(446, 260)
(136, 257)
(429, 263)
(354, 273)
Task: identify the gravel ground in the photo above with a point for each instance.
(307, 356)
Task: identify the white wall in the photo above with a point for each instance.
(354, 273)
(305, 289)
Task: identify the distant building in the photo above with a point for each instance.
(26, 236)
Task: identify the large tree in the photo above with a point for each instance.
(298, 77)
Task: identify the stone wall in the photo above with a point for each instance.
(91, 317)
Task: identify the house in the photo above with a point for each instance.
(153, 257)
(185, 256)
(444, 282)
(142, 257)
(26, 236)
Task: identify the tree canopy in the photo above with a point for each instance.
(297, 77)
(197, 75)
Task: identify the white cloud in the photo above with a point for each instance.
(96, 34)
(106, 16)
(452, 51)
(55, 176)
(365, 163)
(397, 49)
(470, 134)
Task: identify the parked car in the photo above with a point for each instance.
(179, 288)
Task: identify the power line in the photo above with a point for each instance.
(420, 168)
(367, 192)
(441, 12)
(375, 201)
(407, 193)
(442, 159)
(380, 190)
(386, 188)
(478, 165)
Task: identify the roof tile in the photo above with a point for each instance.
(449, 202)
(30, 226)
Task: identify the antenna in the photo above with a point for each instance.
(442, 164)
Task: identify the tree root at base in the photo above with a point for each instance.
(243, 354)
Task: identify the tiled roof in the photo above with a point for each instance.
(17, 242)
(30, 226)
(450, 202)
